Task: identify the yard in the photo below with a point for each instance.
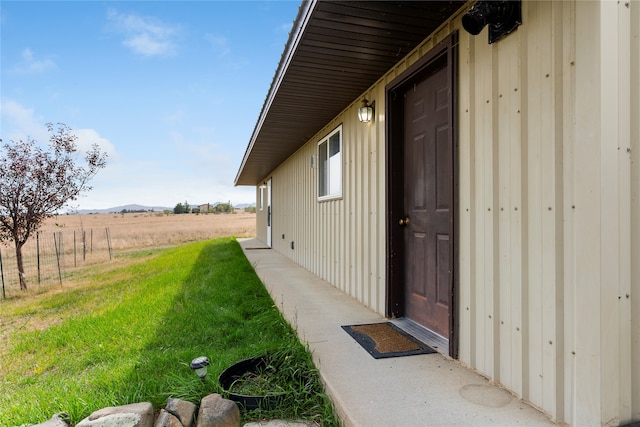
(125, 332)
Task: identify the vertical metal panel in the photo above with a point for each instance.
(560, 66)
(483, 215)
(610, 211)
(568, 88)
(586, 219)
(543, 182)
(635, 207)
(466, 168)
(549, 207)
(509, 227)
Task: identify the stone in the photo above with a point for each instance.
(58, 420)
(167, 419)
(218, 412)
(134, 415)
(184, 410)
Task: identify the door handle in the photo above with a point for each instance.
(404, 221)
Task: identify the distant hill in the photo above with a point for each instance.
(131, 208)
(138, 208)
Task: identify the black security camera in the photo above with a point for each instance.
(502, 17)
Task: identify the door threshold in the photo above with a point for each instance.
(436, 341)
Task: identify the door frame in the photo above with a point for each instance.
(446, 50)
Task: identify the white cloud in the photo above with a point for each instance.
(88, 137)
(147, 45)
(145, 36)
(30, 64)
(21, 122)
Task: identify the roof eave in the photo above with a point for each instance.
(335, 52)
(304, 13)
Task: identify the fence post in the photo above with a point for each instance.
(58, 244)
(2, 274)
(84, 246)
(38, 254)
(108, 241)
(75, 260)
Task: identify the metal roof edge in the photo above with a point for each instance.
(299, 25)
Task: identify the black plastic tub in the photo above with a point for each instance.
(236, 371)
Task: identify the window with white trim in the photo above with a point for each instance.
(330, 165)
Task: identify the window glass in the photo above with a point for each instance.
(330, 165)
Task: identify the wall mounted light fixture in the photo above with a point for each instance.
(365, 113)
(503, 17)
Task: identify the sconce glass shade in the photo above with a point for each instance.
(365, 113)
(199, 365)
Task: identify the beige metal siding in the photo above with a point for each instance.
(634, 147)
(549, 207)
(513, 109)
(343, 240)
(632, 297)
(546, 217)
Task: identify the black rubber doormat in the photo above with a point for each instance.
(384, 339)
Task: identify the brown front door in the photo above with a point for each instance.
(428, 201)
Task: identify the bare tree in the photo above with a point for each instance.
(36, 182)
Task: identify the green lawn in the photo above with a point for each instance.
(128, 333)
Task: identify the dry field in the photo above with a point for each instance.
(155, 229)
(67, 242)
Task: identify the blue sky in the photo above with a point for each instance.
(171, 90)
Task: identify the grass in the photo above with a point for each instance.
(128, 333)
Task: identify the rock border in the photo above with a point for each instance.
(214, 411)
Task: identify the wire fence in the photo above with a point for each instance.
(47, 257)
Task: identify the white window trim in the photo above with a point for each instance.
(325, 140)
(261, 197)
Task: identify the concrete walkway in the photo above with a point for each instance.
(421, 390)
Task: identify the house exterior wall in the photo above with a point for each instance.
(549, 207)
(546, 232)
(330, 238)
(634, 94)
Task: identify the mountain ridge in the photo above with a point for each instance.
(142, 208)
